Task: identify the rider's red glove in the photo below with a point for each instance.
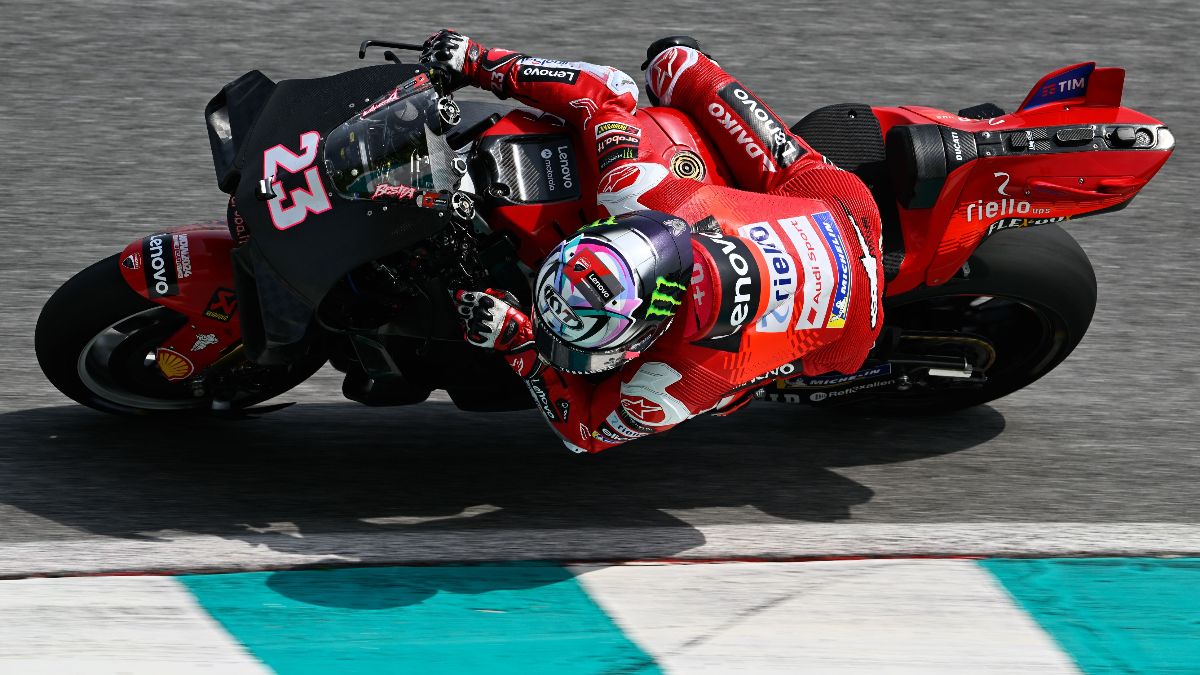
(457, 53)
(468, 61)
(491, 320)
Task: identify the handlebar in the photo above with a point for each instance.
(362, 48)
(445, 78)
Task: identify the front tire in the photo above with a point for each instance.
(94, 337)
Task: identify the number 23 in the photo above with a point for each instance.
(305, 200)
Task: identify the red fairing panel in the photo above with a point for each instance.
(987, 193)
(666, 138)
(539, 227)
(188, 269)
(681, 136)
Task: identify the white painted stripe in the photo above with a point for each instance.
(875, 616)
(287, 546)
(99, 625)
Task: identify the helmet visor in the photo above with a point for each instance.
(573, 360)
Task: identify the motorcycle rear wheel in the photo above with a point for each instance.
(1030, 293)
(95, 340)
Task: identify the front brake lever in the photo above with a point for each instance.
(362, 47)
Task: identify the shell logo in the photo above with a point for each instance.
(174, 366)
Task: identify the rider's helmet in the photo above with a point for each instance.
(604, 295)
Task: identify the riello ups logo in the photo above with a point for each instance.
(1005, 207)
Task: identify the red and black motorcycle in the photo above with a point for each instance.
(356, 200)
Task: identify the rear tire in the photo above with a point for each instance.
(1043, 295)
(89, 307)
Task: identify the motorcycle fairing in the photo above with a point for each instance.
(188, 269)
(938, 177)
(229, 116)
(1051, 163)
(310, 255)
(540, 224)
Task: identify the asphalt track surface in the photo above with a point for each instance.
(103, 142)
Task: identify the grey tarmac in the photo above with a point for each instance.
(103, 142)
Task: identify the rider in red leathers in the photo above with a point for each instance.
(686, 296)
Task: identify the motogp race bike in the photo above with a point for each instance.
(357, 200)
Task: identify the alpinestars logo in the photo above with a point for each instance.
(620, 189)
(664, 73)
(642, 410)
(646, 400)
(588, 106)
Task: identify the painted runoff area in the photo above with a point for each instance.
(1097, 615)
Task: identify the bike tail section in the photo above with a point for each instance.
(1071, 150)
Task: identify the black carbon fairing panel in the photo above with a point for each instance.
(311, 255)
(531, 169)
(230, 116)
(287, 267)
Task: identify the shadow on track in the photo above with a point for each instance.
(338, 467)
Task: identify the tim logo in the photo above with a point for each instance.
(1067, 84)
(1064, 86)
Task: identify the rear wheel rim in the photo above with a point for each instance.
(1028, 339)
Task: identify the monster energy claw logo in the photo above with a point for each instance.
(664, 301)
(604, 221)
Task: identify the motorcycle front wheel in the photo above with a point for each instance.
(95, 341)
